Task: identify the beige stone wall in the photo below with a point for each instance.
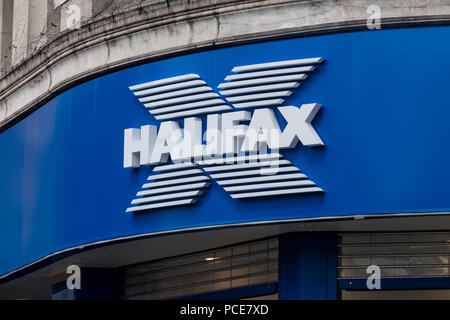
(20, 31)
(1, 25)
(117, 33)
(6, 35)
(69, 12)
(37, 25)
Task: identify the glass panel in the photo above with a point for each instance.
(240, 261)
(359, 238)
(223, 253)
(273, 243)
(429, 248)
(401, 261)
(399, 256)
(180, 271)
(389, 238)
(417, 272)
(354, 261)
(220, 264)
(258, 257)
(272, 266)
(173, 262)
(205, 266)
(145, 268)
(273, 254)
(239, 282)
(211, 270)
(241, 250)
(148, 277)
(353, 273)
(193, 279)
(383, 261)
(258, 246)
(395, 272)
(222, 274)
(144, 288)
(272, 277)
(239, 272)
(258, 279)
(355, 250)
(258, 268)
(389, 249)
(203, 289)
(429, 237)
(429, 260)
(222, 285)
(189, 260)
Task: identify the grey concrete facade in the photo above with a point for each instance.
(145, 30)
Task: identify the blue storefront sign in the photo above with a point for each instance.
(384, 123)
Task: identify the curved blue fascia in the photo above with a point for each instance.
(385, 122)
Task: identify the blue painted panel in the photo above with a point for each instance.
(96, 284)
(257, 290)
(384, 121)
(307, 266)
(398, 283)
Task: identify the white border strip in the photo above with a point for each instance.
(280, 64)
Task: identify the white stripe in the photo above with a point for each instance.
(248, 187)
(262, 179)
(162, 205)
(246, 165)
(174, 166)
(260, 96)
(275, 192)
(172, 189)
(161, 82)
(262, 172)
(163, 103)
(252, 82)
(175, 182)
(174, 174)
(232, 160)
(175, 94)
(188, 106)
(287, 85)
(169, 196)
(262, 103)
(171, 87)
(280, 64)
(250, 75)
(193, 112)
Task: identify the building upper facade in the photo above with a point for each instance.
(91, 91)
(48, 46)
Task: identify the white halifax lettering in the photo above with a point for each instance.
(226, 134)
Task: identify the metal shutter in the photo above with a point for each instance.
(417, 254)
(224, 268)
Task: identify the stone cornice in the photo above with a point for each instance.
(158, 31)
